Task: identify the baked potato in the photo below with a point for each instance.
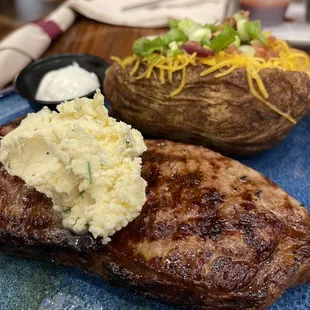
(234, 113)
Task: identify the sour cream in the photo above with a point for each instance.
(67, 83)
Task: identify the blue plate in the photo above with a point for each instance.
(28, 285)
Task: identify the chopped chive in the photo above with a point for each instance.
(76, 220)
(89, 173)
(70, 170)
(9, 165)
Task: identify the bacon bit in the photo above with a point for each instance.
(195, 47)
(232, 49)
(256, 44)
(265, 51)
(261, 52)
(272, 39)
(272, 54)
(246, 14)
(230, 20)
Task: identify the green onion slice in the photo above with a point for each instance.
(176, 52)
(254, 30)
(144, 47)
(173, 23)
(188, 26)
(212, 27)
(174, 35)
(224, 39)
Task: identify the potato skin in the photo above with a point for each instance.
(219, 113)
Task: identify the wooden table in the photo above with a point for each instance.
(84, 36)
(102, 40)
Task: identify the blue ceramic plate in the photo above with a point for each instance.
(28, 285)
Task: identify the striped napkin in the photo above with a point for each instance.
(31, 41)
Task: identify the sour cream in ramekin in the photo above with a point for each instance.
(67, 83)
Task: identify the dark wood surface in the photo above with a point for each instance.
(102, 40)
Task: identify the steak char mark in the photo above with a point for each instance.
(213, 234)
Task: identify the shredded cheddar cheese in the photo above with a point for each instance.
(223, 64)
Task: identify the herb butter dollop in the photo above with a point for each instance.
(84, 160)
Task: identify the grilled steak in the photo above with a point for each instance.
(213, 233)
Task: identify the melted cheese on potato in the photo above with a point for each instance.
(84, 160)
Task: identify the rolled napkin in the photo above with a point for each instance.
(152, 13)
(30, 42)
